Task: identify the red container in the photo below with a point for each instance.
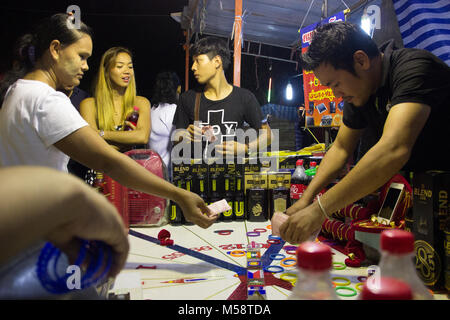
(146, 209)
(117, 195)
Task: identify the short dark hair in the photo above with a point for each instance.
(212, 46)
(335, 43)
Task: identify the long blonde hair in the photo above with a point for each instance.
(103, 91)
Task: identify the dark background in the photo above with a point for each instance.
(156, 40)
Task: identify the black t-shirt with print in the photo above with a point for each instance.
(225, 116)
(410, 75)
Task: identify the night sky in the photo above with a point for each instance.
(145, 27)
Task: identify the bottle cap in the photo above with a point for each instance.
(314, 256)
(397, 241)
(136, 108)
(386, 288)
(299, 162)
(313, 164)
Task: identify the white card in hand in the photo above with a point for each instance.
(219, 206)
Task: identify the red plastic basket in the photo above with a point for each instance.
(117, 195)
(146, 209)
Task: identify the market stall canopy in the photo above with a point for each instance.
(271, 22)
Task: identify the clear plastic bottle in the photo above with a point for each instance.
(314, 261)
(397, 261)
(299, 182)
(386, 288)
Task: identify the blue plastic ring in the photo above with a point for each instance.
(277, 256)
(277, 269)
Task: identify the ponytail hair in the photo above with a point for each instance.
(31, 47)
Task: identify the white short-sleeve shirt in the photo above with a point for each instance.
(33, 117)
(162, 129)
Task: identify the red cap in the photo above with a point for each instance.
(299, 162)
(397, 241)
(136, 108)
(386, 289)
(313, 256)
(313, 164)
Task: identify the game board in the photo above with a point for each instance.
(159, 272)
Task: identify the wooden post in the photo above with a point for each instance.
(237, 42)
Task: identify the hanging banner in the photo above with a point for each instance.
(323, 109)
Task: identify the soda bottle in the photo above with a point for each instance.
(385, 288)
(314, 263)
(311, 173)
(397, 254)
(133, 118)
(299, 182)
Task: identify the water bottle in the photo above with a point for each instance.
(299, 182)
(133, 118)
(314, 262)
(385, 288)
(44, 272)
(397, 254)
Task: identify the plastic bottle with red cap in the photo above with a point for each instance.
(314, 262)
(385, 288)
(299, 182)
(397, 261)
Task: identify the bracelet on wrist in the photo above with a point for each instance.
(322, 208)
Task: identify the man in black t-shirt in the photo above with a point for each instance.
(399, 99)
(221, 107)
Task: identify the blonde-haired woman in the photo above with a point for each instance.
(114, 99)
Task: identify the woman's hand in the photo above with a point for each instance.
(195, 210)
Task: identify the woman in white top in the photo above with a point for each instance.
(165, 96)
(39, 126)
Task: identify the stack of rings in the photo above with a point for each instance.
(48, 268)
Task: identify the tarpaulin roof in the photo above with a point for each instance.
(272, 22)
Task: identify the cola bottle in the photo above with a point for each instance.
(133, 118)
(299, 182)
